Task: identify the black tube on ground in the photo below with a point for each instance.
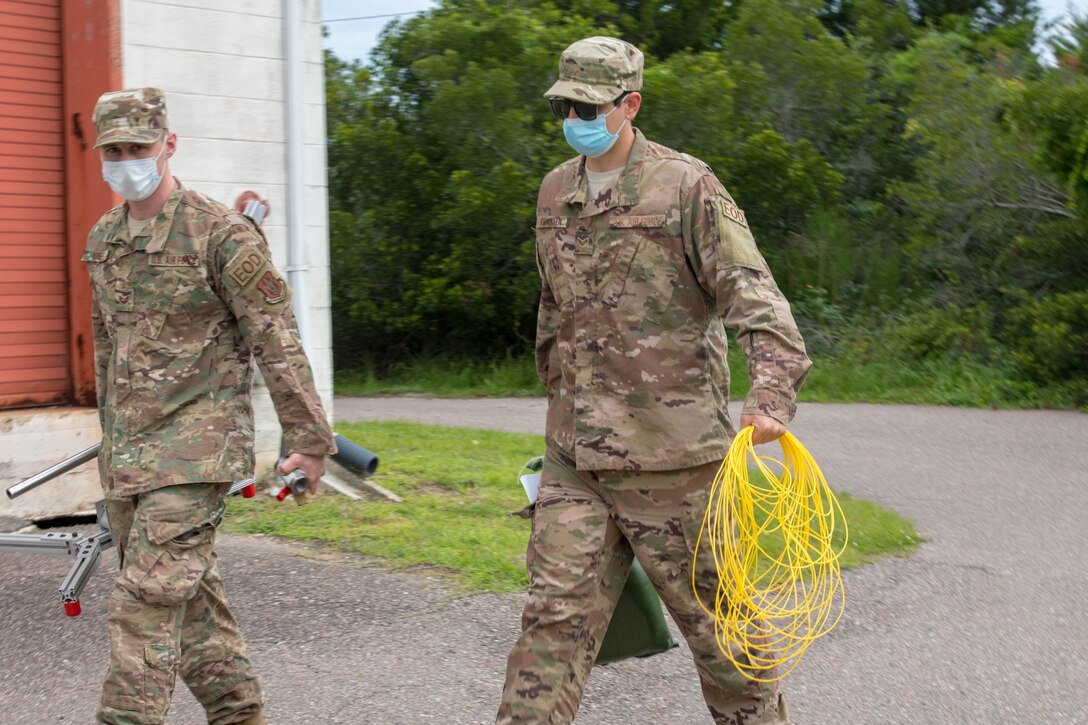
(354, 457)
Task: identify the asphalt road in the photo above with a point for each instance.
(985, 624)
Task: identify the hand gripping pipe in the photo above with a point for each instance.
(294, 483)
(348, 454)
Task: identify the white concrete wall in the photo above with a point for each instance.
(222, 68)
(33, 440)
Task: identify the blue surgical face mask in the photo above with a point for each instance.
(134, 180)
(591, 138)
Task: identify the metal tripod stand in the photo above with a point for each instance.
(86, 548)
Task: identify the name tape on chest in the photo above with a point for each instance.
(635, 221)
(551, 222)
(173, 260)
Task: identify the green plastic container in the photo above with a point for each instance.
(638, 627)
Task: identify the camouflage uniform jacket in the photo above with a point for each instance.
(178, 316)
(638, 285)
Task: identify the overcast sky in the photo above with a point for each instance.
(353, 39)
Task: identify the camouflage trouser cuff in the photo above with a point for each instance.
(224, 687)
(228, 703)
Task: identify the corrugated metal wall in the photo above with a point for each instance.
(34, 346)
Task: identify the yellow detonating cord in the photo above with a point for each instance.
(779, 586)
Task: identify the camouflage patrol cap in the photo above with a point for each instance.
(136, 115)
(597, 70)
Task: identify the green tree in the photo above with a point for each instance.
(796, 77)
(976, 191)
(435, 153)
(915, 174)
(658, 27)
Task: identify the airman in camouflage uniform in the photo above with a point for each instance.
(185, 298)
(645, 260)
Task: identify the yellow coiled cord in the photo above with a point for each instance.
(778, 571)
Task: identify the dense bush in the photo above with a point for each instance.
(915, 175)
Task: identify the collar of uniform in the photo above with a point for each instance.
(626, 188)
(160, 228)
(117, 233)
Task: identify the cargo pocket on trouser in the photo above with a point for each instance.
(160, 673)
(166, 561)
(143, 662)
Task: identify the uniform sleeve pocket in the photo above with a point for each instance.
(182, 529)
(737, 246)
(558, 273)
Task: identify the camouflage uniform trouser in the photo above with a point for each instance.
(586, 527)
(168, 611)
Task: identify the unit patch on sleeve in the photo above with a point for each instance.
(258, 280)
(738, 246)
(272, 286)
(245, 266)
(733, 212)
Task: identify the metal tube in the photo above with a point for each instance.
(298, 265)
(88, 558)
(39, 543)
(53, 471)
(239, 485)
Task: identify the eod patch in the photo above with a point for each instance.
(258, 279)
(245, 266)
(737, 245)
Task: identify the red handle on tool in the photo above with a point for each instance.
(72, 609)
(249, 491)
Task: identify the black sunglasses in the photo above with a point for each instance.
(585, 111)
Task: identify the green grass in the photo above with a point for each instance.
(459, 486)
(447, 378)
(845, 378)
(851, 379)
